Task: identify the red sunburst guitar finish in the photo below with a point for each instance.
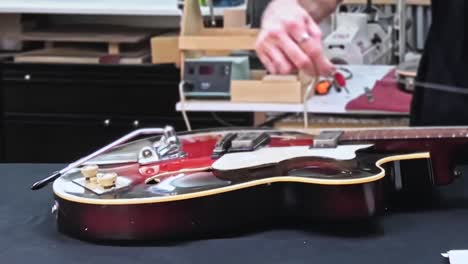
(210, 182)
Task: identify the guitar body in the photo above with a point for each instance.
(218, 181)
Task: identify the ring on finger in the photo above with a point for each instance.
(303, 38)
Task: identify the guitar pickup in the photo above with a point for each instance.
(240, 142)
(223, 145)
(249, 141)
(327, 139)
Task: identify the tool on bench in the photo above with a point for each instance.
(338, 81)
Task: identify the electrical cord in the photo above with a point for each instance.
(184, 112)
(305, 104)
(221, 121)
(182, 106)
(310, 88)
(273, 120)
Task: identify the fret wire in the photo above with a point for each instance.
(435, 133)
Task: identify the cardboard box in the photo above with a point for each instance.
(268, 89)
(165, 49)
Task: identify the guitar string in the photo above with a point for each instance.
(433, 86)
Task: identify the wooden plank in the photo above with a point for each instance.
(228, 32)
(79, 56)
(217, 43)
(280, 78)
(191, 25)
(266, 91)
(98, 34)
(165, 49)
(234, 18)
(192, 20)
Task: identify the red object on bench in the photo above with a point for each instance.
(387, 97)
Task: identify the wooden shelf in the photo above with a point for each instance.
(196, 41)
(101, 7)
(82, 56)
(94, 34)
(389, 2)
(87, 45)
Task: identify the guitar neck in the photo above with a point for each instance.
(404, 133)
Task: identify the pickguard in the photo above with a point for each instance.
(271, 155)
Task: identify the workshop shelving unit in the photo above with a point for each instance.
(196, 40)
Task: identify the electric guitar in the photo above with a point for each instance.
(158, 184)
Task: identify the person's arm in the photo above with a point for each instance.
(319, 9)
(290, 38)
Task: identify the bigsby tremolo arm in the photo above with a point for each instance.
(145, 131)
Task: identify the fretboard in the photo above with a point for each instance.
(405, 133)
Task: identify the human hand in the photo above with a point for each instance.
(290, 40)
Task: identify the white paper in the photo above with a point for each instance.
(457, 256)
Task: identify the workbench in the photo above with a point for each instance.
(332, 103)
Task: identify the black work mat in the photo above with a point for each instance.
(28, 234)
